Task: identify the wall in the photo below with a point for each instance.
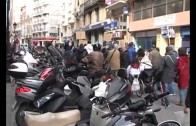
(182, 18)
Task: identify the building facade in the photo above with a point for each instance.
(117, 11)
(160, 23)
(46, 20)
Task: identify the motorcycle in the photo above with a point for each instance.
(137, 113)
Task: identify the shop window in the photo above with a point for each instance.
(145, 42)
(187, 5)
(159, 8)
(174, 6)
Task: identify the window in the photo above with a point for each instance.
(137, 10)
(147, 9)
(159, 8)
(187, 5)
(97, 14)
(174, 6)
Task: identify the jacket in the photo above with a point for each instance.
(115, 59)
(168, 68)
(132, 54)
(155, 58)
(183, 72)
(124, 59)
(95, 61)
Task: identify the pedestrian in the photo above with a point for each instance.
(182, 74)
(133, 69)
(132, 52)
(113, 59)
(187, 102)
(140, 54)
(81, 52)
(168, 65)
(94, 60)
(145, 62)
(124, 57)
(155, 58)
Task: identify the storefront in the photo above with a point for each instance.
(185, 34)
(145, 39)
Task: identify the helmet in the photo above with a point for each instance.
(18, 70)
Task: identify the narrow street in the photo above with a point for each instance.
(172, 113)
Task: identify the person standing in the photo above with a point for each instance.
(94, 60)
(183, 75)
(132, 52)
(187, 101)
(155, 58)
(124, 57)
(113, 58)
(168, 65)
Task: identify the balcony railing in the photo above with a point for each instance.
(90, 3)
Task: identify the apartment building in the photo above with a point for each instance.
(117, 11)
(46, 20)
(93, 15)
(160, 22)
(68, 24)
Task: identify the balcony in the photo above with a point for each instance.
(37, 14)
(71, 19)
(116, 4)
(88, 4)
(38, 30)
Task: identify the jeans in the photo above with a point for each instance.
(168, 88)
(182, 94)
(172, 87)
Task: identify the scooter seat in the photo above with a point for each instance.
(33, 78)
(30, 83)
(138, 105)
(68, 118)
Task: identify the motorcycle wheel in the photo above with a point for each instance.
(141, 91)
(19, 118)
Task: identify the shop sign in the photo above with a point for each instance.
(125, 10)
(165, 20)
(108, 2)
(167, 32)
(117, 34)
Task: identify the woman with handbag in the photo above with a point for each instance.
(182, 75)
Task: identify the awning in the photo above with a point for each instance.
(117, 4)
(44, 38)
(97, 25)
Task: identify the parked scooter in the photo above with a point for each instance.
(137, 113)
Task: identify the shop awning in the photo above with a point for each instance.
(117, 4)
(45, 38)
(97, 25)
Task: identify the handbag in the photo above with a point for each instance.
(106, 65)
(135, 85)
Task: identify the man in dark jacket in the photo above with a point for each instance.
(124, 58)
(132, 52)
(168, 66)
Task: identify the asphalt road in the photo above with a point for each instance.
(171, 113)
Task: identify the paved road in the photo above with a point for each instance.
(172, 113)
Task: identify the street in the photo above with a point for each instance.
(172, 113)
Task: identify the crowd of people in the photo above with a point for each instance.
(172, 68)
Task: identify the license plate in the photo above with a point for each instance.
(13, 105)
